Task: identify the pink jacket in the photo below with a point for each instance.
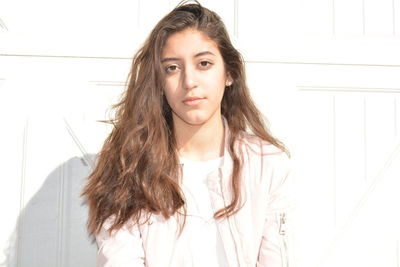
(255, 236)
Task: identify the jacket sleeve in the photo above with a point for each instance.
(277, 237)
(121, 248)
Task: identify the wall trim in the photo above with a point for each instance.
(346, 89)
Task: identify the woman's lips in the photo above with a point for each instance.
(192, 101)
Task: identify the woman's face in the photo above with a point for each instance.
(195, 77)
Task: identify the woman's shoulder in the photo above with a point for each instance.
(262, 155)
(257, 146)
(277, 169)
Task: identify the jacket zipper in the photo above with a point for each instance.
(282, 223)
(282, 233)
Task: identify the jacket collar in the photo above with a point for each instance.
(218, 180)
(227, 163)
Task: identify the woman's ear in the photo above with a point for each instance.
(229, 80)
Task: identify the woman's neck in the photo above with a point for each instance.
(200, 142)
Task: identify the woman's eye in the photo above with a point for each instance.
(171, 68)
(205, 64)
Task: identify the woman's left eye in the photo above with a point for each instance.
(204, 63)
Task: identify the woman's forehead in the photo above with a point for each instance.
(189, 42)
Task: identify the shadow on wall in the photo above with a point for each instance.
(51, 229)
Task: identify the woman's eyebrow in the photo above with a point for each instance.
(167, 59)
(204, 53)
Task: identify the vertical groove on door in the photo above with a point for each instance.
(235, 19)
(334, 159)
(397, 253)
(395, 118)
(363, 16)
(333, 18)
(60, 243)
(394, 16)
(20, 226)
(138, 14)
(365, 138)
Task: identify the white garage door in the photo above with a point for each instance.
(324, 72)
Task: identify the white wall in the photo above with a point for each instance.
(324, 72)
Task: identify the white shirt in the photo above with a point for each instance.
(199, 244)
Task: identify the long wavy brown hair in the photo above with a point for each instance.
(137, 170)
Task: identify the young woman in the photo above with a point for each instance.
(190, 175)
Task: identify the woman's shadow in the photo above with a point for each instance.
(51, 229)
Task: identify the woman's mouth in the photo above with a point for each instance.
(192, 101)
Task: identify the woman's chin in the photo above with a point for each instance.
(192, 119)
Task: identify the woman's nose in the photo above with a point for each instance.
(189, 78)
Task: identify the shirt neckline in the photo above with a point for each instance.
(200, 162)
